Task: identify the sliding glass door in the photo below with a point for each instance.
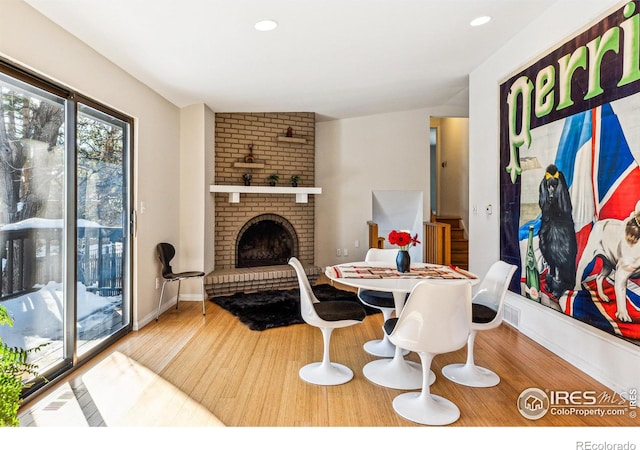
(64, 222)
(102, 225)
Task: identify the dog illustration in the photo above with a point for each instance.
(616, 242)
(557, 236)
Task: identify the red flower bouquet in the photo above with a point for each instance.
(403, 239)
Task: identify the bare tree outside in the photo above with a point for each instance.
(31, 157)
(99, 164)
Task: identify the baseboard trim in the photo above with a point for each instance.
(612, 361)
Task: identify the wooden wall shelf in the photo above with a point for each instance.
(245, 165)
(293, 140)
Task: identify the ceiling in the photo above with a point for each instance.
(337, 58)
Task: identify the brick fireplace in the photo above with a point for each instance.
(266, 240)
(261, 144)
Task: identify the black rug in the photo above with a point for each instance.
(271, 309)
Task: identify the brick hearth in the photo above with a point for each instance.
(254, 279)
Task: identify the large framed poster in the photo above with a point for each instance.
(569, 176)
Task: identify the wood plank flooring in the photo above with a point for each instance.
(248, 378)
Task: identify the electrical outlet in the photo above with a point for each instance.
(338, 252)
(345, 252)
(157, 283)
(356, 244)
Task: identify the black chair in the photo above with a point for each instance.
(165, 253)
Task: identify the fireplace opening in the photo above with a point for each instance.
(266, 240)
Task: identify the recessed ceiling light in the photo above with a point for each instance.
(480, 21)
(266, 25)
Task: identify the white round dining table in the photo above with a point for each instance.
(396, 372)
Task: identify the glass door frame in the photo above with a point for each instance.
(70, 359)
(128, 226)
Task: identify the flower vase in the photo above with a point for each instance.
(403, 261)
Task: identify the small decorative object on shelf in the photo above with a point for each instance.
(404, 240)
(294, 180)
(249, 157)
(247, 179)
(289, 132)
(273, 179)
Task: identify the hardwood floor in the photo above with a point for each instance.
(248, 378)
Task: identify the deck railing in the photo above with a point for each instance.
(32, 257)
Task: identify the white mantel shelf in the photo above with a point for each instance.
(302, 193)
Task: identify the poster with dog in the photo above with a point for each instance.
(569, 156)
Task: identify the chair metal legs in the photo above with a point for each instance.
(203, 292)
(178, 295)
(160, 301)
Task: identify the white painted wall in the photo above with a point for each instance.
(355, 157)
(195, 251)
(47, 49)
(454, 177)
(612, 361)
(190, 247)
